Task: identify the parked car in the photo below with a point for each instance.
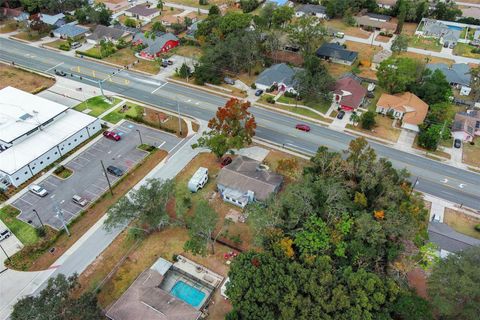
(436, 218)
(340, 114)
(115, 171)
(457, 143)
(452, 45)
(302, 127)
(226, 161)
(170, 62)
(75, 45)
(259, 92)
(4, 234)
(229, 81)
(370, 95)
(339, 35)
(60, 73)
(82, 202)
(445, 45)
(36, 189)
(164, 63)
(111, 135)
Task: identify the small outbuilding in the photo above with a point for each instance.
(198, 180)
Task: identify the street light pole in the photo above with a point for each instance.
(8, 257)
(106, 176)
(140, 135)
(414, 185)
(38, 216)
(62, 219)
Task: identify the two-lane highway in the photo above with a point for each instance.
(435, 178)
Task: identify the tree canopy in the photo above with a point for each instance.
(57, 301)
(396, 74)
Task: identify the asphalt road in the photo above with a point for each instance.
(435, 178)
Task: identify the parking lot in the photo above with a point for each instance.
(88, 179)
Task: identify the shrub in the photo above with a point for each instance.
(289, 94)
(89, 54)
(129, 22)
(271, 100)
(41, 232)
(59, 169)
(477, 227)
(64, 46)
(253, 86)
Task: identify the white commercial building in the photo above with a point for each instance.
(35, 132)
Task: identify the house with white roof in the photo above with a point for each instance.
(35, 132)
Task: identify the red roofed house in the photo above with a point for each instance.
(155, 47)
(349, 94)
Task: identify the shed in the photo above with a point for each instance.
(198, 180)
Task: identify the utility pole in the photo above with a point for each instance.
(38, 216)
(60, 216)
(139, 135)
(8, 257)
(179, 119)
(414, 185)
(106, 176)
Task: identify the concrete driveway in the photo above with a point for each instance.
(88, 179)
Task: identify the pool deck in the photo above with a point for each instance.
(198, 271)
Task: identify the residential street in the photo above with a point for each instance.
(435, 178)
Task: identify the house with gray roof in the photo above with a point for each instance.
(102, 32)
(280, 74)
(432, 28)
(54, 21)
(449, 240)
(70, 31)
(337, 53)
(143, 12)
(155, 45)
(458, 75)
(311, 10)
(246, 180)
(466, 125)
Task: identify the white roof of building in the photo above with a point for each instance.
(21, 112)
(21, 154)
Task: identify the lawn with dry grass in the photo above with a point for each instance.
(126, 56)
(383, 39)
(8, 26)
(84, 222)
(471, 153)
(461, 222)
(431, 154)
(425, 43)
(426, 59)
(192, 52)
(23, 80)
(409, 28)
(382, 130)
(351, 31)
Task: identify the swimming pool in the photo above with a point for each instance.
(455, 28)
(187, 293)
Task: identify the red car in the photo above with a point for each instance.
(111, 135)
(226, 161)
(302, 127)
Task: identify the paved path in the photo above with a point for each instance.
(467, 4)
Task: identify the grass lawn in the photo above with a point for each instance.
(372, 105)
(426, 59)
(425, 43)
(55, 44)
(126, 56)
(301, 111)
(30, 36)
(382, 130)
(63, 173)
(429, 154)
(321, 106)
(97, 105)
(193, 52)
(8, 26)
(465, 50)
(23, 80)
(23, 231)
(351, 31)
(116, 115)
(462, 222)
(34, 258)
(471, 153)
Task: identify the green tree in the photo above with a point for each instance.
(446, 11)
(107, 48)
(214, 11)
(314, 83)
(130, 22)
(57, 301)
(232, 128)
(434, 88)
(367, 120)
(157, 26)
(475, 82)
(160, 5)
(396, 74)
(402, 13)
(249, 5)
(201, 230)
(314, 239)
(184, 71)
(307, 34)
(429, 136)
(452, 285)
(281, 15)
(400, 43)
(355, 118)
(146, 205)
(409, 306)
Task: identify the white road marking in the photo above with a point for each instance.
(461, 185)
(158, 88)
(445, 180)
(52, 196)
(55, 66)
(298, 147)
(197, 103)
(162, 144)
(62, 201)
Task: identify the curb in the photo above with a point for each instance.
(113, 65)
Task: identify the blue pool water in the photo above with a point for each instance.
(187, 293)
(455, 28)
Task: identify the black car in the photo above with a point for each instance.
(340, 114)
(457, 143)
(370, 95)
(115, 171)
(259, 92)
(60, 73)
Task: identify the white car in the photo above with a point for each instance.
(39, 191)
(4, 234)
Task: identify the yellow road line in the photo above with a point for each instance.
(100, 75)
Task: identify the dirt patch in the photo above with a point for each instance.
(417, 279)
(23, 80)
(382, 39)
(462, 222)
(471, 153)
(94, 213)
(426, 59)
(409, 28)
(365, 51)
(351, 31)
(166, 122)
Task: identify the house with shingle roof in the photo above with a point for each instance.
(404, 106)
(143, 12)
(348, 93)
(449, 240)
(70, 31)
(314, 10)
(458, 75)
(55, 21)
(280, 74)
(16, 14)
(466, 125)
(155, 45)
(336, 53)
(376, 22)
(245, 180)
(102, 32)
(432, 28)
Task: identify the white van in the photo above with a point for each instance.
(75, 45)
(198, 180)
